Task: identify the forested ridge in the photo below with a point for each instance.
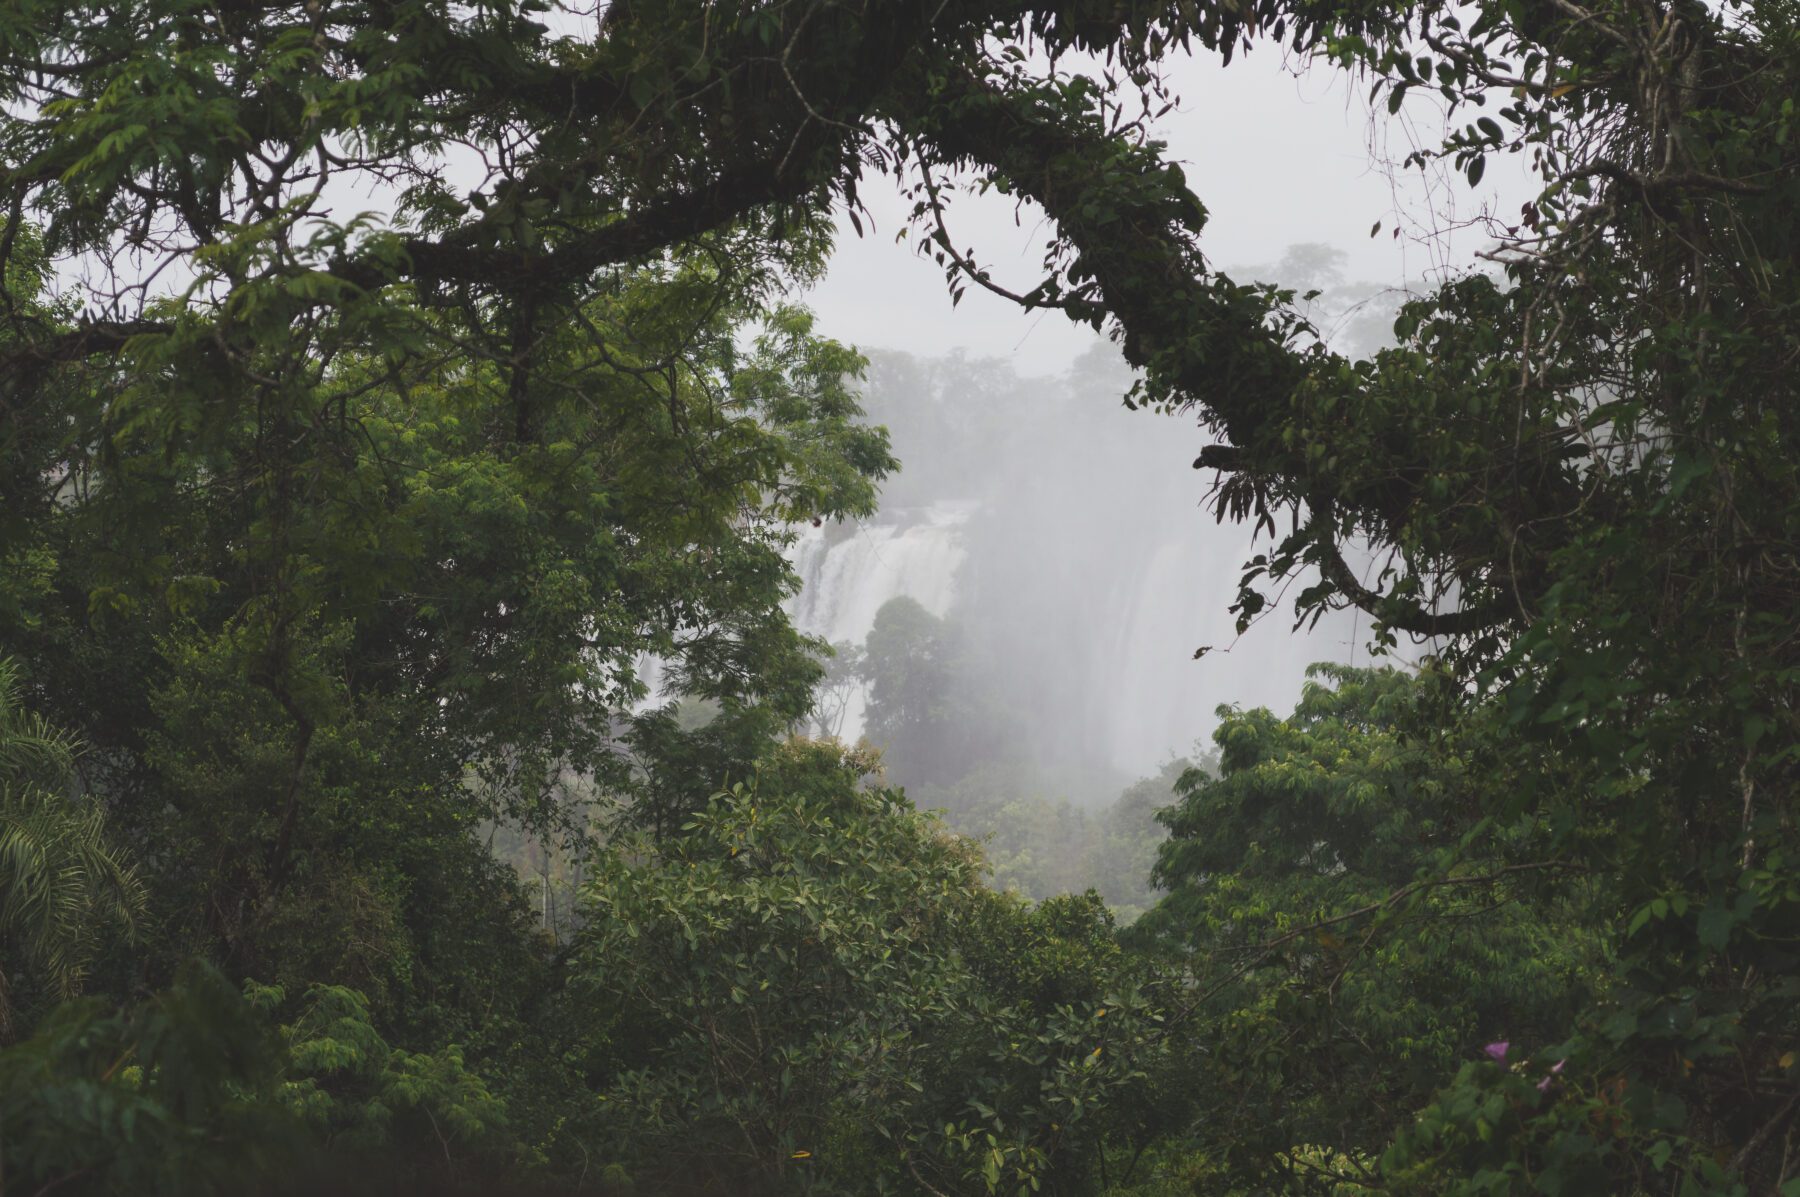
(406, 414)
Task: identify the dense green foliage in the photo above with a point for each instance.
(174, 1094)
(1349, 928)
(338, 539)
(812, 951)
(368, 608)
(199, 1091)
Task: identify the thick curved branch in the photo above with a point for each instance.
(1218, 346)
(1136, 245)
(1397, 613)
(663, 223)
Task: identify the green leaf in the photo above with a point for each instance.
(1714, 927)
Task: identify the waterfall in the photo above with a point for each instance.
(1159, 698)
(1068, 542)
(1111, 667)
(845, 578)
(848, 571)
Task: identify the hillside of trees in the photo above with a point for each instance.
(336, 547)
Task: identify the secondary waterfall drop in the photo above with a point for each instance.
(847, 574)
(848, 571)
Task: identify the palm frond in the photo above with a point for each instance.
(61, 882)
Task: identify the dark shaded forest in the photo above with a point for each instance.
(412, 776)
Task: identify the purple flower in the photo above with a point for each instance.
(1497, 1050)
(1544, 1085)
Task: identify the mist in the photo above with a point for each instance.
(1080, 583)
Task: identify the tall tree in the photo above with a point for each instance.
(909, 662)
(316, 641)
(813, 990)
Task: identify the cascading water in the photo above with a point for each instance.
(848, 571)
(1065, 539)
(846, 574)
(1164, 698)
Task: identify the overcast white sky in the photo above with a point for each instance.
(1278, 156)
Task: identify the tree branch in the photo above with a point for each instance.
(1396, 613)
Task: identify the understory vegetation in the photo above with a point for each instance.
(350, 559)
